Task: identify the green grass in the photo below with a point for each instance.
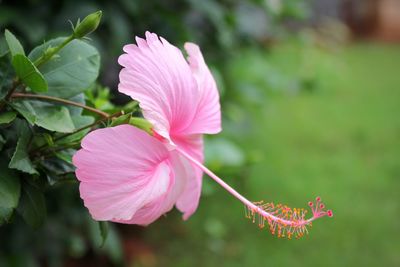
(339, 139)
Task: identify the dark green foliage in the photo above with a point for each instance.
(72, 71)
(28, 73)
(20, 159)
(10, 190)
(48, 116)
(32, 205)
(6, 74)
(39, 129)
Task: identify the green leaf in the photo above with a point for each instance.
(103, 226)
(13, 44)
(32, 206)
(78, 119)
(55, 119)
(7, 117)
(74, 69)
(79, 122)
(49, 116)
(26, 110)
(20, 159)
(28, 73)
(10, 190)
(73, 110)
(82, 121)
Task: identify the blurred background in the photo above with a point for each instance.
(310, 101)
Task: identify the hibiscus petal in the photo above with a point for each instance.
(157, 75)
(121, 170)
(190, 197)
(208, 114)
(176, 98)
(152, 211)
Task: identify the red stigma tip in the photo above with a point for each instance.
(156, 135)
(319, 209)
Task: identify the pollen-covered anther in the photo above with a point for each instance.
(283, 220)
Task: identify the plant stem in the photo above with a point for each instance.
(88, 126)
(47, 56)
(78, 130)
(237, 195)
(38, 62)
(14, 87)
(60, 100)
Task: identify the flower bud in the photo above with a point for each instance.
(142, 124)
(88, 25)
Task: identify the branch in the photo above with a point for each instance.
(77, 130)
(60, 100)
(15, 85)
(119, 113)
(52, 51)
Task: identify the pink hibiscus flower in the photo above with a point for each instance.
(129, 176)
